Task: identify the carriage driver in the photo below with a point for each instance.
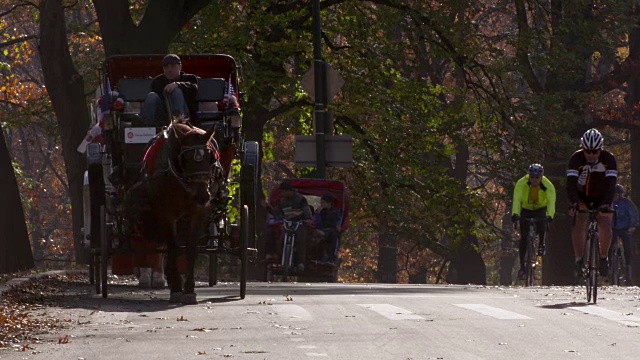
(180, 89)
(291, 206)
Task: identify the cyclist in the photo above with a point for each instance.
(624, 224)
(591, 179)
(291, 206)
(533, 197)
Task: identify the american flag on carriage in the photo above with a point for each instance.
(230, 99)
(104, 104)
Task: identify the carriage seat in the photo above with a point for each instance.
(134, 91)
(210, 91)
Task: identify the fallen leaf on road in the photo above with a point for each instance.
(63, 340)
(181, 318)
(288, 298)
(201, 353)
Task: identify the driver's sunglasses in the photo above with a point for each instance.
(591, 151)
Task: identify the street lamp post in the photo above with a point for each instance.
(320, 85)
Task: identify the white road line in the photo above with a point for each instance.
(628, 320)
(392, 312)
(317, 354)
(493, 312)
(292, 312)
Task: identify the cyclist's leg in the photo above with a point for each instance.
(578, 232)
(604, 233)
(541, 228)
(615, 233)
(301, 246)
(522, 246)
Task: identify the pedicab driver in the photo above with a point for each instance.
(291, 206)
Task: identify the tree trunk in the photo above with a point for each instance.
(467, 266)
(15, 250)
(508, 254)
(633, 97)
(65, 87)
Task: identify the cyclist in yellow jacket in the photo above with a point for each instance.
(533, 197)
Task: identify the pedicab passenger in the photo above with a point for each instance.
(326, 223)
(291, 206)
(181, 89)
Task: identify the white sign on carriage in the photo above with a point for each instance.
(139, 135)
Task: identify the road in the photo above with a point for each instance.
(344, 321)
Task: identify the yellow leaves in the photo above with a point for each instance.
(63, 340)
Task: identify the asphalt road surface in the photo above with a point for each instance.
(343, 321)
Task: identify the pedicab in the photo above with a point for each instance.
(119, 148)
(319, 267)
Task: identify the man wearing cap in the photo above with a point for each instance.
(179, 88)
(327, 221)
(291, 206)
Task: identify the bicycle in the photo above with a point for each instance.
(592, 253)
(616, 262)
(290, 228)
(531, 260)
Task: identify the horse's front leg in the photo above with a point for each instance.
(189, 295)
(173, 276)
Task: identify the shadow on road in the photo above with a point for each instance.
(565, 305)
(76, 292)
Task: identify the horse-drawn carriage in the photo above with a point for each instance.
(320, 267)
(201, 195)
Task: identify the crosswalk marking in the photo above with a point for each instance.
(292, 312)
(628, 320)
(493, 312)
(392, 312)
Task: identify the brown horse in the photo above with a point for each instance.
(182, 175)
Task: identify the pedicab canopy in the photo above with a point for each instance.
(147, 66)
(313, 190)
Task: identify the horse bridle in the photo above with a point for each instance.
(199, 152)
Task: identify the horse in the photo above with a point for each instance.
(182, 175)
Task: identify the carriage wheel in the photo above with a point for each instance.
(104, 250)
(96, 201)
(244, 245)
(249, 182)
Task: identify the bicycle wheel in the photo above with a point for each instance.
(286, 256)
(615, 268)
(529, 259)
(593, 269)
(587, 275)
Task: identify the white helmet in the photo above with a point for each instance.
(591, 140)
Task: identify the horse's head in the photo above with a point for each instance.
(193, 153)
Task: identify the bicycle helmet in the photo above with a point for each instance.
(536, 170)
(591, 140)
(619, 189)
